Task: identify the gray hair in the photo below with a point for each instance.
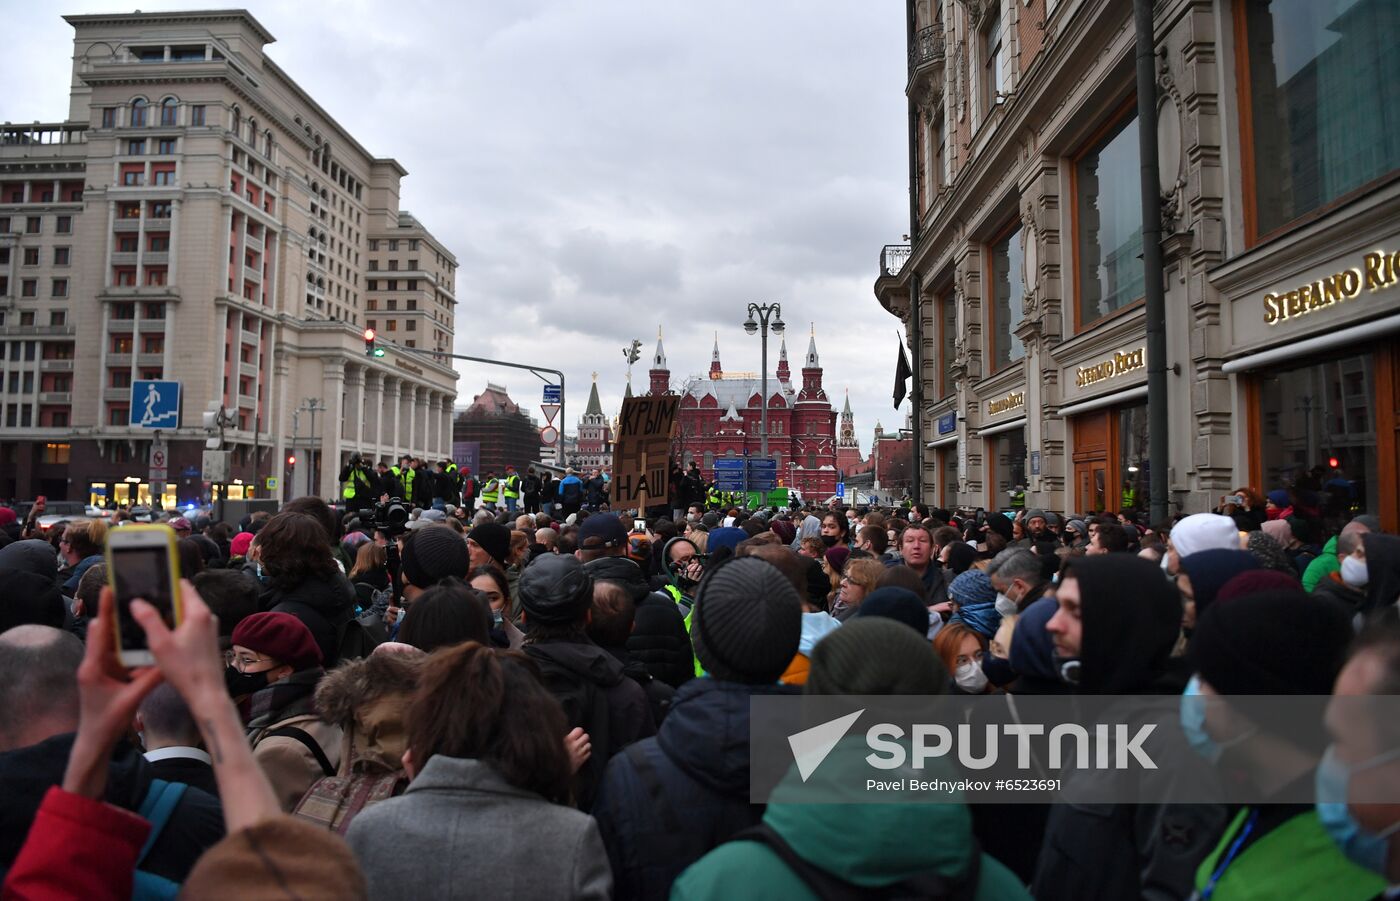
(38, 681)
(1016, 563)
(1349, 541)
(167, 719)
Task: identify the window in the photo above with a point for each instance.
(60, 287)
(938, 148)
(166, 146)
(411, 285)
(1316, 85)
(128, 211)
(152, 344)
(197, 115)
(29, 287)
(126, 244)
(413, 264)
(33, 225)
(121, 344)
(124, 311)
(118, 415)
(1004, 298)
(4, 256)
(391, 326)
(109, 117)
(413, 244)
(138, 113)
(410, 343)
(369, 323)
(411, 325)
(391, 304)
(169, 111)
(153, 311)
(61, 256)
(1108, 224)
(393, 265)
(164, 176)
(160, 244)
(372, 284)
(26, 318)
(125, 278)
(948, 330)
(132, 177)
(373, 265)
(992, 83)
(135, 148)
(63, 225)
(58, 317)
(119, 378)
(371, 304)
(1007, 456)
(393, 285)
(160, 209)
(373, 245)
(393, 246)
(31, 256)
(412, 304)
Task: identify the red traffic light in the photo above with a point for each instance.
(1333, 462)
(291, 460)
(369, 334)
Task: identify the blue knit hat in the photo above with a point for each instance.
(972, 587)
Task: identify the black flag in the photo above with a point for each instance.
(901, 375)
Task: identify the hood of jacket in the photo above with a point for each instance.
(1032, 652)
(33, 555)
(895, 841)
(1382, 568)
(1132, 618)
(331, 597)
(622, 570)
(583, 658)
(815, 627)
(26, 774)
(368, 699)
(706, 732)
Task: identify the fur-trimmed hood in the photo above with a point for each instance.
(368, 698)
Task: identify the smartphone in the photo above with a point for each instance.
(639, 525)
(1236, 499)
(142, 562)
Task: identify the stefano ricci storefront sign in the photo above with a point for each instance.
(1119, 363)
(1009, 402)
(1378, 270)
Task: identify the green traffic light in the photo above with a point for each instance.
(379, 351)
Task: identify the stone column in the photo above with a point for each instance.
(353, 403)
(409, 437)
(393, 394)
(447, 401)
(374, 415)
(330, 428)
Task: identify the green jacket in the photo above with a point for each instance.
(1322, 566)
(863, 843)
(1296, 859)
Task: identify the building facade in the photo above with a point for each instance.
(720, 416)
(504, 433)
(1022, 288)
(199, 218)
(595, 435)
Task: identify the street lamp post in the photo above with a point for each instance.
(763, 312)
(314, 405)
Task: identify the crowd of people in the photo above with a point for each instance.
(536, 699)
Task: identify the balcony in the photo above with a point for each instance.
(892, 259)
(126, 225)
(154, 258)
(154, 359)
(252, 274)
(116, 394)
(55, 365)
(248, 338)
(121, 325)
(37, 330)
(926, 55)
(248, 369)
(55, 397)
(119, 359)
(124, 258)
(247, 401)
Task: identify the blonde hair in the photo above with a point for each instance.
(86, 537)
(701, 540)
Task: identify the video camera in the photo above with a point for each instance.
(389, 517)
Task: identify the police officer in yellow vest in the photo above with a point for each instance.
(711, 497)
(510, 488)
(491, 491)
(403, 474)
(357, 484)
(1129, 497)
(1018, 497)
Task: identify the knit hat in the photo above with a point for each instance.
(432, 554)
(180, 524)
(604, 530)
(1209, 570)
(555, 589)
(494, 539)
(1051, 519)
(961, 556)
(998, 523)
(30, 599)
(1078, 525)
(1203, 531)
(1032, 514)
(1279, 496)
(238, 547)
(8, 516)
(898, 604)
(1279, 530)
(281, 857)
(1279, 643)
(972, 587)
(280, 636)
(726, 537)
(873, 655)
(1269, 553)
(785, 530)
(1255, 581)
(746, 622)
(818, 584)
(837, 556)
(710, 520)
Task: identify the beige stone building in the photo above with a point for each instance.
(1022, 286)
(199, 218)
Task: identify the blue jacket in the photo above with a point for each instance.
(699, 763)
(75, 574)
(570, 480)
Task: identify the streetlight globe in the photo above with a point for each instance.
(778, 326)
(750, 326)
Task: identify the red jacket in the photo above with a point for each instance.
(77, 848)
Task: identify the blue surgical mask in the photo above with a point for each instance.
(1365, 849)
(1193, 721)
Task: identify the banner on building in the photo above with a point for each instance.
(642, 453)
(467, 455)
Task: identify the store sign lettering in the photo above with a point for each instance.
(1378, 269)
(1009, 402)
(1114, 366)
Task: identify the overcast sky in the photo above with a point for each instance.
(601, 168)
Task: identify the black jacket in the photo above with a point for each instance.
(325, 605)
(690, 793)
(26, 774)
(366, 491)
(659, 639)
(1382, 568)
(194, 773)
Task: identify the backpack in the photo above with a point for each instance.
(829, 887)
(572, 492)
(333, 801)
(585, 706)
(160, 802)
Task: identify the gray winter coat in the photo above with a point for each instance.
(460, 830)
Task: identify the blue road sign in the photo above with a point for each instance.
(948, 422)
(551, 394)
(155, 405)
(729, 474)
(841, 488)
(763, 474)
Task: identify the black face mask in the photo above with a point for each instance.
(240, 684)
(829, 540)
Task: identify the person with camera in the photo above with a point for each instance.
(359, 486)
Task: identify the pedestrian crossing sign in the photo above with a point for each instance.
(155, 404)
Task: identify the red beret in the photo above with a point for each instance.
(280, 636)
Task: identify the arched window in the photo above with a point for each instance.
(169, 109)
(138, 112)
(253, 131)
(267, 143)
(235, 120)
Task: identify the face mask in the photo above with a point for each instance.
(1193, 723)
(970, 678)
(1365, 849)
(829, 540)
(240, 684)
(1355, 572)
(496, 617)
(1005, 606)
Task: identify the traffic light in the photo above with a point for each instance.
(291, 459)
(634, 352)
(1333, 462)
(371, 349)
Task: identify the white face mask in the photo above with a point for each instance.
(1355, 572)
(1005, 606)
(970, 677)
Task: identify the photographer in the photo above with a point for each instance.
(358, 484)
